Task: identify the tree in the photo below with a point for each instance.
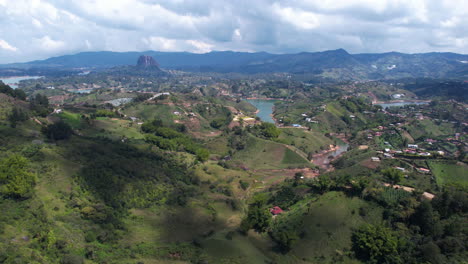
(427, 219)
(17, 115)
(258, 216)
(16, 93)
(285, 197)
(451, 202)
(430, 252)
(285, 238)
(58, 131)
(202, 154)
(393, 175)
(40, 104)
(269, 130)
(15, 178)
(20, 94)
(297, 177)
(375, 244)
(217, 123)
(323, 183)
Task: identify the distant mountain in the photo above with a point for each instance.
(145, 61)
(336, 64)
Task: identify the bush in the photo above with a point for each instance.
(58, 131)
(244, 185)
(217, 123)
(104, 113)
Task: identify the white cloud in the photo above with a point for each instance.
(200, 46)
(36, 23)
(48, 44)
(299, 18)
(6, 46)
(166, 44)
(44, 28)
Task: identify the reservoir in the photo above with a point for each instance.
(14, 81)
(265, 108)
(400, 104)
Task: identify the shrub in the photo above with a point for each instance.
(58, 131)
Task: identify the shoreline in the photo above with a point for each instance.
(23, 76)
(268, 98)
(401, 101)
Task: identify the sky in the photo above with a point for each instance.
(38, 29)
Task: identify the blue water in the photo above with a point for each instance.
(82, 91)
(265, 108)
(14, 81)
(400, 104)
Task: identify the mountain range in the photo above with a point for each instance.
(336, 64)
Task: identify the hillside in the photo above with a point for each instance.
(192, 175)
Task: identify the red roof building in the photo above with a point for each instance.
(276, 210)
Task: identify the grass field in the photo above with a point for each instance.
(150, 111)
(114, 129)
(307, 141)
(264, 154)
(428, 128)
(328, 227)
(449, 173)
(236, 249)
(73, 119)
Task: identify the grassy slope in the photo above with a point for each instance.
(448, 174)
(151, 111)
(328, 226)
(152, 227)
(427, 128)
(264, 154)
(307, 141)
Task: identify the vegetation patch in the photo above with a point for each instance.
(450, 173)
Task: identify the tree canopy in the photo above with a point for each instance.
(375, 244)
(16, 180)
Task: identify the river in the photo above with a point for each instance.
(322, 159)
(265, 108)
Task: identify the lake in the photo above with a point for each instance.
(400, 104)
(265, 108)
(14, 81)
(81, 91)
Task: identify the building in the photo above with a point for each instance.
(375, 159)
(276, 210)
(423, 170)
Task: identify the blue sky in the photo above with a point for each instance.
(37, 29)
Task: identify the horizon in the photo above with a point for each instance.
(233, 51)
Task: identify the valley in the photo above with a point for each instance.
(146, 164)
